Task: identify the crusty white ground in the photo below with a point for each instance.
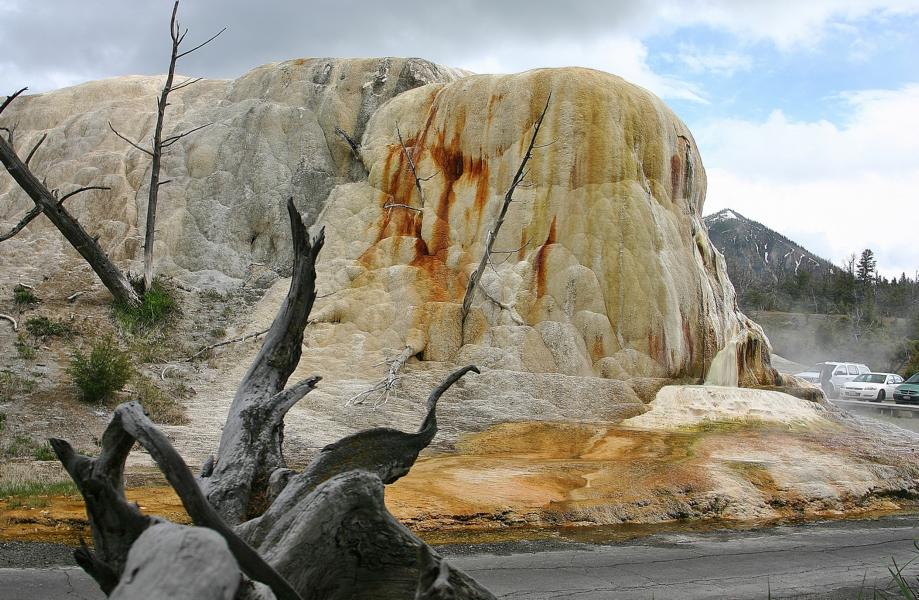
(688, 405)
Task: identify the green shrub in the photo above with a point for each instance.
(44, 327)
(23, 295)
(102, 373)
(43, 452)
(2, 421)
(157, 305)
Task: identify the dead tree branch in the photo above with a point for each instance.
(28, 218)
(85, 244)
(9, 100)
(387, 453)
(81, 190)
(242, 338)
(135, 145)
(411, 165)
(175, 138)
(355, 149)
(392, 205)
(11, 320)
(519, 176)
(384, 387)
(35, 148)
(101, 481)
(32, 214)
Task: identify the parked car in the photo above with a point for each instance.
(874, 387)
(831, 376)
(908, 392)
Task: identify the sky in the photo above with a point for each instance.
(806, 112)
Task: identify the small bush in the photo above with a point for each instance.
(157, 305)
(23, 296)
(2, 421)
(159, 406)
(44, 327)
(102, 373)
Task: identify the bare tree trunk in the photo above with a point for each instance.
(160, 143)
(250, 446)
(46, 202)
(519, 176)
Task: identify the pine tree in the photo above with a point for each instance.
(866, 269)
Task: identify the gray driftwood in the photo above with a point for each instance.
(199, 564)
(236, 482)
(324, 534)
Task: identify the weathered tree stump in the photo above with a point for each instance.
(270, 532)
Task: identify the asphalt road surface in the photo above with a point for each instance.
(844, 559)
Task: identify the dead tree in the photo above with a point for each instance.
(325, 533)
(48, 203)
(492, 235)
(160, 143)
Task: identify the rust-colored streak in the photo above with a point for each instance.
(596, 351)
(676, 177)
(687, 335)
(540, 263)
(656, 348)
(522, 252)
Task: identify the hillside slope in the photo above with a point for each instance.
(758, 255)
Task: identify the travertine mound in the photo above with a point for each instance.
(603, 267)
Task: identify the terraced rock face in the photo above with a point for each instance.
(603, 267)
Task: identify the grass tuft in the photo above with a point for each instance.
(13, 386)
(158, 304)
(23, 296)
(31, 489)
(159, 406)
(44, 327)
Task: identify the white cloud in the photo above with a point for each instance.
(623, 56)
(789, 24)
(835, 189)
(697, 60)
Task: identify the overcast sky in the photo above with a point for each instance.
(806, 111)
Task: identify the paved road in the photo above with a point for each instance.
(815, 561)
(830, 560)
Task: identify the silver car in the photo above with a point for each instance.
(835, 375)
(873, 387)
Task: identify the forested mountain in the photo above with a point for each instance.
(869, 318)
(771, 272)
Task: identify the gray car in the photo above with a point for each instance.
(831, 376)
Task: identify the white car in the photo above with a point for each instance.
(874, 387)
(835, 375)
